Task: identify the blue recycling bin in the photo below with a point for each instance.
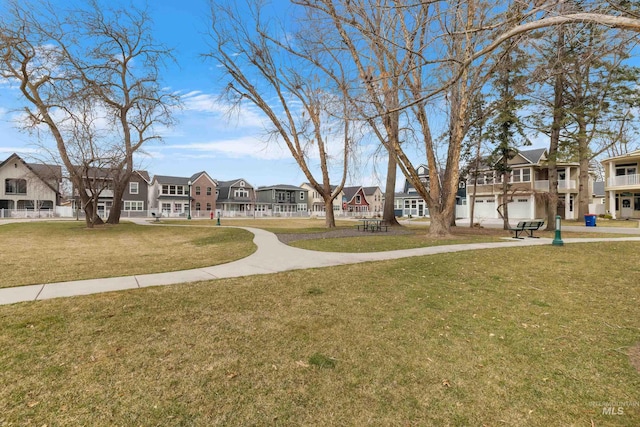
(590, 220)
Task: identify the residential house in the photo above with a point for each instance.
(375, 197)
(622, 185)
(281, 200)
(529, 176)
(598, 199)
(410, 203)
(203, 195)
(169, 195)
(29, 188)
(136, 195)
(355, 201)
(101, 181)
(315, 203)
(235, 198)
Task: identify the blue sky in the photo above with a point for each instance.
(205, 137)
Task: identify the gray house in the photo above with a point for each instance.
(136, 196)
(235, 198)
(281, 200)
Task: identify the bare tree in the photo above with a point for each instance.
(271, 71)
(86, 60)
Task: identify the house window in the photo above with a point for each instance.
(516, 176)
(302, 195)
(165, 189)
(15, 186)
(197, 206)
(241, 193)
(302, 207)
(208, 206)
(626, 170)
(197, 190)
(526, 175)
(133, 205)
(177, 207)
(241, 184)
(133, 188)
(358, 200)
(208, 191)
(172, 189)
(180, 190)
(636, 202)
(166, 207)
(281, 197)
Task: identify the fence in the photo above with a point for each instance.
(27, 213)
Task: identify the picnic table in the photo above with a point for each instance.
(371, 224)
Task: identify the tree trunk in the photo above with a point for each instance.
(505, 199)
(116, 207)
(329, 218)
(558, 116)
(583, 179)
(388, 213)
(440, 225)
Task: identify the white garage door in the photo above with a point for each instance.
(485, 207)
(520, 208)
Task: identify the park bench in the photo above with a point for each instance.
(527, 227)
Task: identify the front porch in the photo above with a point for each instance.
(623, 204)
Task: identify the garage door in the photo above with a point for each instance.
(520, 208)
(485, 207)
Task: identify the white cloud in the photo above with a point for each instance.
(245, 146)
(201, 102)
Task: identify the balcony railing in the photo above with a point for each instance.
(564, 184)
(624, 180)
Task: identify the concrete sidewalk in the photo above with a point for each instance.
(272, 256)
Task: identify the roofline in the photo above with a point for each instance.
(634, 153)
(32, 171)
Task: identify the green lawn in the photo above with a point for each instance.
(46, 252)
(530, 336)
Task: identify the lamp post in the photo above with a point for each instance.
(189, 200)
(557, 241)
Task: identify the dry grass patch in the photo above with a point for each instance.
(407, 238)
(525, 336)
(47, 252)
(602, 222)
(278, 225)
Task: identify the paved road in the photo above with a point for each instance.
(271, 256)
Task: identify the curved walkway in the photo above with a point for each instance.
(271, 256)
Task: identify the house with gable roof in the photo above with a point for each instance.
(355, 201)
(29, 189)
(410, 203)
(529, 176)
(315, 203)
(170, 197)
(235, 198)
(375, 197)
(100, 180)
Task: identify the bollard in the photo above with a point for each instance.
(557, 241)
